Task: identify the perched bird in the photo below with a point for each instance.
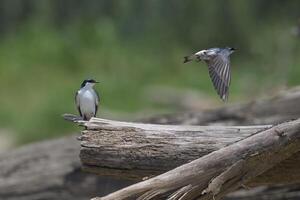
(218, 62)
(87, 99)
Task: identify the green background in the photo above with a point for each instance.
(48, 47)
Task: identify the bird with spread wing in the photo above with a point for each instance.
(218, 62)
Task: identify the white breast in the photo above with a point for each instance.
(87, 103)
(205, 54)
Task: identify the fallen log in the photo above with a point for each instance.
(26, 182)
(135, 150)
(222, 171)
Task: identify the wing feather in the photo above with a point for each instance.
(219, 71)
(77, 102)
(97, 101)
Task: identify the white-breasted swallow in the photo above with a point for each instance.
(87, 99)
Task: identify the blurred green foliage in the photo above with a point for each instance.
(48, 47)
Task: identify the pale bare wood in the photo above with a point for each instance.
(136, 150)
(222, 171)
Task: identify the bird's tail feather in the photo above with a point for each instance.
(187, 59)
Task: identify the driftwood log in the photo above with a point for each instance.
(209, 177)
(135, 151)
(29, 173)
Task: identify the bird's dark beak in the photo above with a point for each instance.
(233, 49)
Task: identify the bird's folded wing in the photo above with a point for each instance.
(77, 102)
(97, 100)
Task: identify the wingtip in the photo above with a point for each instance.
(224, 98)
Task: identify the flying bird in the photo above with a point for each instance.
(87, 99)
(218, 62)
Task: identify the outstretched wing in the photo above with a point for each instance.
(77, 102)
(219, 71)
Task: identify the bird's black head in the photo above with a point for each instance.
(88, 81)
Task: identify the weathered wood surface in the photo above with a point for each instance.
(272, 110)
(222, 171)
(50, 170)
(21, 176)
(135, 150)
(287, 192)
